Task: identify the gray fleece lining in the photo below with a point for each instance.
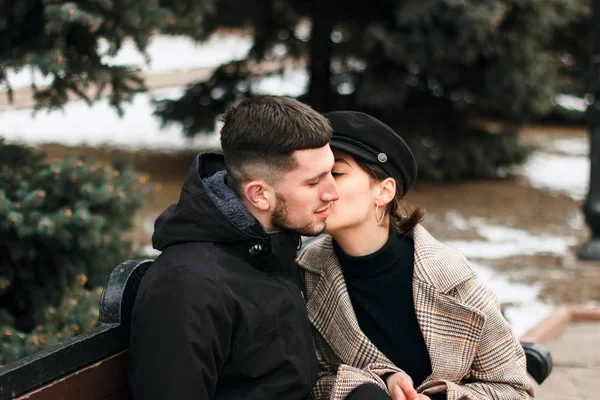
(227, 201)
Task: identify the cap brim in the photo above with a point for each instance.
(354, 151)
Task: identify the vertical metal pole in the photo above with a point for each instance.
(591, 209)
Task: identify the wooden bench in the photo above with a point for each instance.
(93, 365)
(90, 366)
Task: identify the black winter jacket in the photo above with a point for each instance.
(220, 313)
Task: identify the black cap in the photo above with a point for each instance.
(370, 140)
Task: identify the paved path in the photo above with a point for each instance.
(576, 355)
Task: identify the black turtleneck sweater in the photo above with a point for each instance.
(380, 286)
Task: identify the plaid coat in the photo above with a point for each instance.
(473, 352)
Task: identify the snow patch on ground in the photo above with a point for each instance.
(522, 308)
(558, 173)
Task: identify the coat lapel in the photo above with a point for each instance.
(331, 313)
(451, 328)
(451, 331)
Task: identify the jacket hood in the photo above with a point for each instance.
(209, 211)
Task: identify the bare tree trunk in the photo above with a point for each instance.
(591, 209)
(321, 52)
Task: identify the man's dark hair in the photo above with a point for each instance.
(260, 134)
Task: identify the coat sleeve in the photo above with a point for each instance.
(499, 369)
(180, 337)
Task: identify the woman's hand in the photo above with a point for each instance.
(400, 386)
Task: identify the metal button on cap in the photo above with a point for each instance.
(382, 157)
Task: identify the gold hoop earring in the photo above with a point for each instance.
(382, 214)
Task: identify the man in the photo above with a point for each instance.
(220, 314)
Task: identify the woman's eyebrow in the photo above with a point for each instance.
(342, 161)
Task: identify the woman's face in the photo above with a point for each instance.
(356, 205)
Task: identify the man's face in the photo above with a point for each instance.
(305, 194)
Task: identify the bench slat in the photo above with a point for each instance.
(104, 380)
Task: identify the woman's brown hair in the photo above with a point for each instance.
(401, 220)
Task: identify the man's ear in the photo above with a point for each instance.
(387, 191)
(258, 194)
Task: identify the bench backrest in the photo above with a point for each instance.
(92, 365)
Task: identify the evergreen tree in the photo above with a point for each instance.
(450, 75)
(57, 222)
(64, 40)
(77, 313)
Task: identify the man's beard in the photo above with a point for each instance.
(280, 220)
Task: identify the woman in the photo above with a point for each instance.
(391, 306)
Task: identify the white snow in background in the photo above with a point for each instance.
(292, 83)
(522, 307)
(576, 146)
(501, 241)
(558, 173)
(560, 164)
(166, 53)
(149, 251)
(569, 102)
(99, 125)
(24, 78)
(172, 53)
(510, 242)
